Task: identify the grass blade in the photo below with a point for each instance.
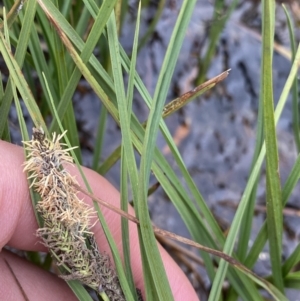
(17, 59)
(273, 191)
(295, 86)
(149, 242)
(20, 82)
(262, 236)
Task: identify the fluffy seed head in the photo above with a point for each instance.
(66, 230)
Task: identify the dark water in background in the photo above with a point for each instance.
(216, 131)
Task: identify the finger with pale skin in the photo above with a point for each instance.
(19, 225)
(22, 280)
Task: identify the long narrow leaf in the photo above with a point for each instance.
(18, 59)
(149, 145)
(273, 189)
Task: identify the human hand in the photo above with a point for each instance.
(18, 227)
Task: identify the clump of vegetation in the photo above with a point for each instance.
(57, 43)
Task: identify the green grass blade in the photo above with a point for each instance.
(262, 236)
(61, 73)
(122, 103)
(110, 161)
(124, 167)
(291, 262)
(80, 292)
(218, 23)
(18, 59)
(91, 7)
(128, 159)
(273, 191)
(21, 84)
(293, 280)
(277, 294)
(99, 138)
(130, 87)
(5, 132)
(83, 20)
(124, 108)
(246, 225)
(124, 224)
(295, 86)
(152, 25)
(291, 181)
(160, 94)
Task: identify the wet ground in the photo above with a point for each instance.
(215, 133)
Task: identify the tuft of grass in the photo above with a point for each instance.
(54, 41)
